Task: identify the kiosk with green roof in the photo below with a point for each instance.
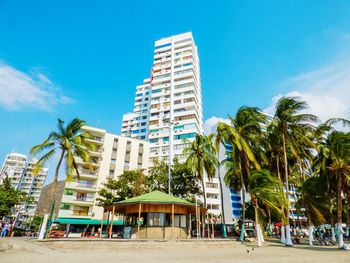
(157, 215)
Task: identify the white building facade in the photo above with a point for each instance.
(113, 155)
(168, 106)
(19, 169)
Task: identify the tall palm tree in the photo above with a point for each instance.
(293, 127)
(340, 168)
(201, 158)
(332, 162)
(70, 142)
(244, 134)
(264, 189)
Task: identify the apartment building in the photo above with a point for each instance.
(168, 105)
(113, 155)
(20, 170)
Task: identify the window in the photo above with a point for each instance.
(154, 122)
(143, 123)
(128, 143)
(155, 106)
(155, 219)
(154, 131)
(80, 211)
(165, 139)
(111, 172)
(188, 100)
(211, 185)
(177, 102)
(184, 136)
(153, 140)
(154, 149)
(65, 206)
(135, 131)
(176, 128)
(143, 130)
(142, 137)
(186, 117)
(161, 46)
(68, 192)
(113, 161)
(114, 150)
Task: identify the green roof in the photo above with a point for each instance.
(156, 197)
(76, 221)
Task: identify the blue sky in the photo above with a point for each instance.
(84, 58)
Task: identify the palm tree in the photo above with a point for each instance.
(264, 189)
(311, 199)
(332, 163)
(340, 169)
(293, 127)
(201, 158)
(70, 142)
(244, 135)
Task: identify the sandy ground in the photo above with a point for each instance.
(171, 251)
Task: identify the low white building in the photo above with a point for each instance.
(113, 155)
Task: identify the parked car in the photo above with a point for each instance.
(57, 234)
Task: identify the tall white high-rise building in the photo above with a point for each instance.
(19, 169)
(168, 105)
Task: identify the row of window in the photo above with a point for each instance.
(176, 137)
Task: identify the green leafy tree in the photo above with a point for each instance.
(185, 184)
(10, 197)
(129, 184)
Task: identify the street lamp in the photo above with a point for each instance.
(170, 125)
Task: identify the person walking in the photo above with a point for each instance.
(4, 230)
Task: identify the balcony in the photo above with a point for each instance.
(81, 200)
(74, 214)
(88, 187)
(96, 140)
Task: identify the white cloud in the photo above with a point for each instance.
(21, 90)
(326, 90)
(210, 123)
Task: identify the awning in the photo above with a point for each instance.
(75, 221)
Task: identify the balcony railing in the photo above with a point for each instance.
(86, 185)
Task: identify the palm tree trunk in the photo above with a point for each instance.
(257, 229)
(241, 238)
(205, 204)
(339, 212)
(278, 167)
(52, 193)
(311, 227)
(288, 236)
(224, 235)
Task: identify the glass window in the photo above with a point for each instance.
(65, 206)
(68, 192)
